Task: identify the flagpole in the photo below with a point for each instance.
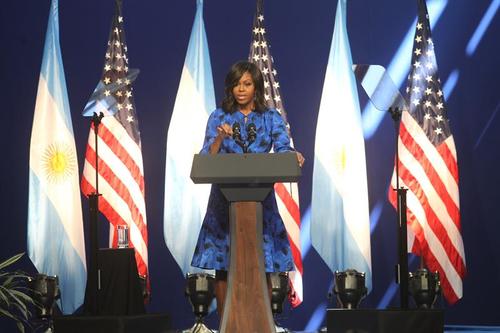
(402, 266)
(93, 281)
(260, 55)
(96, 121)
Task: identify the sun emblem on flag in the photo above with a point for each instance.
(340, 158)
(59, 162)
(338, 168)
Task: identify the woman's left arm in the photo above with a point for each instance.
(279, 133)
(281, 137)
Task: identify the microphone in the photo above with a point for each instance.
(237, 132)
(252, 133)
(237, 136)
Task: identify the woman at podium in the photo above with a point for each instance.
(243, 124)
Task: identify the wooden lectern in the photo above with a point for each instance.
(246, 180)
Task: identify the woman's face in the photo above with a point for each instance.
(244, 91)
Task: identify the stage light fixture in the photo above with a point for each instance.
(200, 290)
(279, 291)
(424, 287)
(45, 291)
(349, 288)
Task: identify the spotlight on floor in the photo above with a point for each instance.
(424, 286)
(45, 293)
(349, 288)
(200, 290)
(279, 291)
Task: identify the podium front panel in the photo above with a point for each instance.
(245, 168)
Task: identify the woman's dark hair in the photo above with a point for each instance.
(229, 104)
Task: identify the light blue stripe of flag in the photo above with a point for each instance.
(340, 225)
(198, 60)
(52, 66)
(185, 202)
(55, 228)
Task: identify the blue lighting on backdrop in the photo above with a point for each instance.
(482, 27)
(399, 67)
(393, 288)
(450, 83)
(305, 232)
(375, 215)
(317, 318)
(487, 126)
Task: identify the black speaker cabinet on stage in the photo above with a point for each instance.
(120, 302)
(153, 323)
(384, 321)
(119, 292)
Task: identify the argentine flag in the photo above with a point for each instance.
(186, 202)
(340, 224)
(55, 229)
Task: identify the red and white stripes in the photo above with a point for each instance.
(121, 184)
(431, 175)
(287, 198)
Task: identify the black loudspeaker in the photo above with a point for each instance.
(384, 321)
(153, 323)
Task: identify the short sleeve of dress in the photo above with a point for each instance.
(279, 133)
(214, 120)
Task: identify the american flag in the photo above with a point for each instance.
(121, 173)
(428, 168)
(287, 194)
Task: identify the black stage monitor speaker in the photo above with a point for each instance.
(152, 323)
(384, 321)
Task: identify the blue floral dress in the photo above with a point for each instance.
(212, 249)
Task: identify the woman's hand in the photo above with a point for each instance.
(300, 159)
(224, 131)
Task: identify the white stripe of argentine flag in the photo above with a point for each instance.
(185, 202)
(55, 228)
(340, 226)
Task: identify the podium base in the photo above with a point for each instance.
(198, 328)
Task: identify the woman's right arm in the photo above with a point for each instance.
(223, 131)
(210, 133)
(215, 146)
(215, 133)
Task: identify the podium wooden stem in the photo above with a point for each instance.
(247, 307)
